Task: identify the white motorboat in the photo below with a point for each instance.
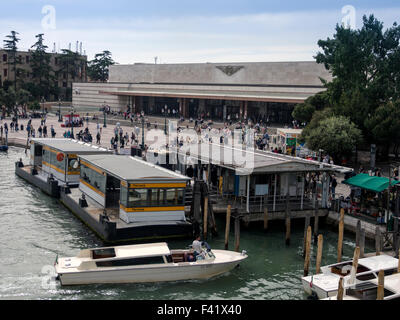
(153, 262)
(367, 290)
(325, 284)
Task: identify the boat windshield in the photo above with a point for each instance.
(366, 291)
(131, 262)
(344, 269)
(103, 253)
(372, 275)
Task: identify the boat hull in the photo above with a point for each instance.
(175, 272)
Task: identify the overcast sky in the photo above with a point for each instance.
(186, 31)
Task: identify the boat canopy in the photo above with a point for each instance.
(373, 183)
(142, 250)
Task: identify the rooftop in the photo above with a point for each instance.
(70, 146)
(129, 168)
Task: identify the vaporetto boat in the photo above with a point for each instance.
(140, 263)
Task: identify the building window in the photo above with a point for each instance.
(64, 84)
(27, 59)
(4, 57)
(5, 72)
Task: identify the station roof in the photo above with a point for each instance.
(131, 169)
(288, 97)
(248, 161)
(70, 146)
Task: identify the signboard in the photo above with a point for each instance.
(261, 189)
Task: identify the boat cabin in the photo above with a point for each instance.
(59, 158)
(142, 191)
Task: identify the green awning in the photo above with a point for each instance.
(365, 181)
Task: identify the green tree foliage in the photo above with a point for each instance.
(303, 112)
(336, 135)
(98, 68)
(365, 65)
(11, 48)
(42, 72)
(70, 63)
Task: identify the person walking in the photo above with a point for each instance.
(333, 186)
(98, 137)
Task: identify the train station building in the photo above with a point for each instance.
(265, 91)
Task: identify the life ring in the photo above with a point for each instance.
(60, 156)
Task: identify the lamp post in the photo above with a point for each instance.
(59, 111)
(105, 121)
(72, 123)
(142, 132)
(43, 101)
(165, 119)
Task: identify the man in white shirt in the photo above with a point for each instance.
(196, 245)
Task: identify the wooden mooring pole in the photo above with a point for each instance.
(358, 233)
(287, 222)
(237, 233)
(340, 236)
(354, 265)
(381, 285)
(306, 225)
(340, 289)
(378, 239)
(228, 224)
(316, 219)
(308, 248)
(362, 243)
(265, 218)
(205, 218)
(319, 253)
(398, 265)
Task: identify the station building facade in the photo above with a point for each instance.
(218, 91)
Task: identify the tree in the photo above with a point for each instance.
(384, 125)
(10, 46)
(336, 135)
(69, 64)
(42, 72)
(98, 68)
(365, 69)
(303, 112)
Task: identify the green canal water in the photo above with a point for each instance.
(35, 228)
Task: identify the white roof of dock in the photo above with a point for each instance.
(70, 146)
(129, 168)
(246, 161)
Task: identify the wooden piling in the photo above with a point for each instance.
(265, 218)
(340, 290)
(354, 264)
(340, 236)
(319, 253)
(316, 220)
(398, 265)
(306, 225)
(358, 232)
(362, 242)
(228, 223)
(381, 285)
(287, 240)
(205, 218)
(378, 240)
(308, 248)
(237, 234)
(287, 222)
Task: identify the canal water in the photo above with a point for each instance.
(35, 228)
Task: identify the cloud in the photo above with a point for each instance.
(264, 36)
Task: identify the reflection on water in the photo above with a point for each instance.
(35, 228)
